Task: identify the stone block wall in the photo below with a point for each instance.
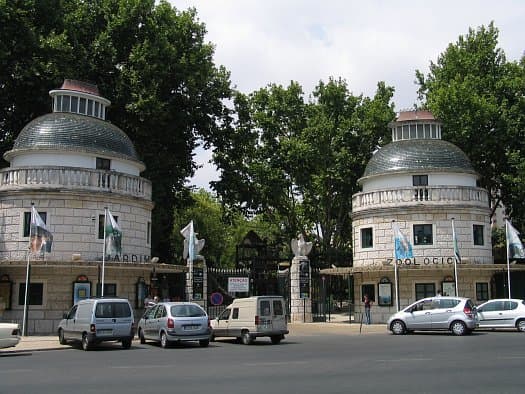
(73, 219)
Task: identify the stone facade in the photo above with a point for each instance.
(57, 279)
(73, 218)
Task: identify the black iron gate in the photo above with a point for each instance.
(331, 294)
(260, 283)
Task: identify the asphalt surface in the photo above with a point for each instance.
(314, 358)
(50, 342)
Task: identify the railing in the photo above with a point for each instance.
(432, 195)
(74, 178)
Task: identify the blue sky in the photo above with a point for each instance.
(271, 41)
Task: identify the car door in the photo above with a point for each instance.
(69, 321)
(278, 315)
(491, 314)
(220, 325)
(265, 315)
(159, 321)
(442, 311)
(149, 318)
(418, 316)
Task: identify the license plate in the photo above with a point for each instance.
(192, 327)
(105, 332)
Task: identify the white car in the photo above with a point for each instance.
(9, 335)
(502, 313)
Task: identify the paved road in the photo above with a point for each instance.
(484, 362)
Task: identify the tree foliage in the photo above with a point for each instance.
(148, 58)
(222, 229)
(296, 162)
(480, 98)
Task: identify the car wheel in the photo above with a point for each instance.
(458, 328)
(212, 338)
(164, 343)
(141, 337)
(398, 327)
(126, 343)
(61, 338)
(246, 338)
(276, 339)
(520, 325)
(85, 343)
(204, 342)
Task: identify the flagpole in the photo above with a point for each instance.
(24, 317)
(454, 240)
(395, 271)
(104, 252)
(508, 261)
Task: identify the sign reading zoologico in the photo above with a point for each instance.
(425, 261)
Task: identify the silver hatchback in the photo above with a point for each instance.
(175, 322)
(502, 313)
(455, 314)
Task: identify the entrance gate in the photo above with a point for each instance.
(259, 283)
(331, 295)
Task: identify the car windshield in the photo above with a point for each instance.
(187, 311)
(112, 310)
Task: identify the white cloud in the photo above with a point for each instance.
(364, 42)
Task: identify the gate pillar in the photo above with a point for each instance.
(300, 290)
(197, 281)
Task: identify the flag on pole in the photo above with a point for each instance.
(457, 256)
(113, 235)
(402, 246)
(514, 246)
(41, 238)
(189, 241)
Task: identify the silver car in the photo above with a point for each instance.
(454, 314)
(502, 313)
(170, 322)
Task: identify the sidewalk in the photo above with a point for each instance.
(39, 343)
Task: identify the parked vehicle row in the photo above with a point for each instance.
(458, 315)
(92, 321)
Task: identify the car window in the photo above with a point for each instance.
(489, 307)
(225, 315)
(187, 311)
(448, 303)
(73, 312)
(235, 313)
(265, 308)
(277, 308)
(112, 310)
(150, 312)
(510, 305)
(160, 312)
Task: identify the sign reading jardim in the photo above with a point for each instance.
(238, 284)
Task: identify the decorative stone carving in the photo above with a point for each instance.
(300, 247)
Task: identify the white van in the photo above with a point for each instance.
(96, 320)
(252, 317)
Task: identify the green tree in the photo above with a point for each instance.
(296, 163)
(222, 229)
(150, 59)
(480, 98)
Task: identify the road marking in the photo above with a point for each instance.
(275, 363)
(404, 360)
(140, 366)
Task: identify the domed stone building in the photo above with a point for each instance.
(422, 184)
(72, 164)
